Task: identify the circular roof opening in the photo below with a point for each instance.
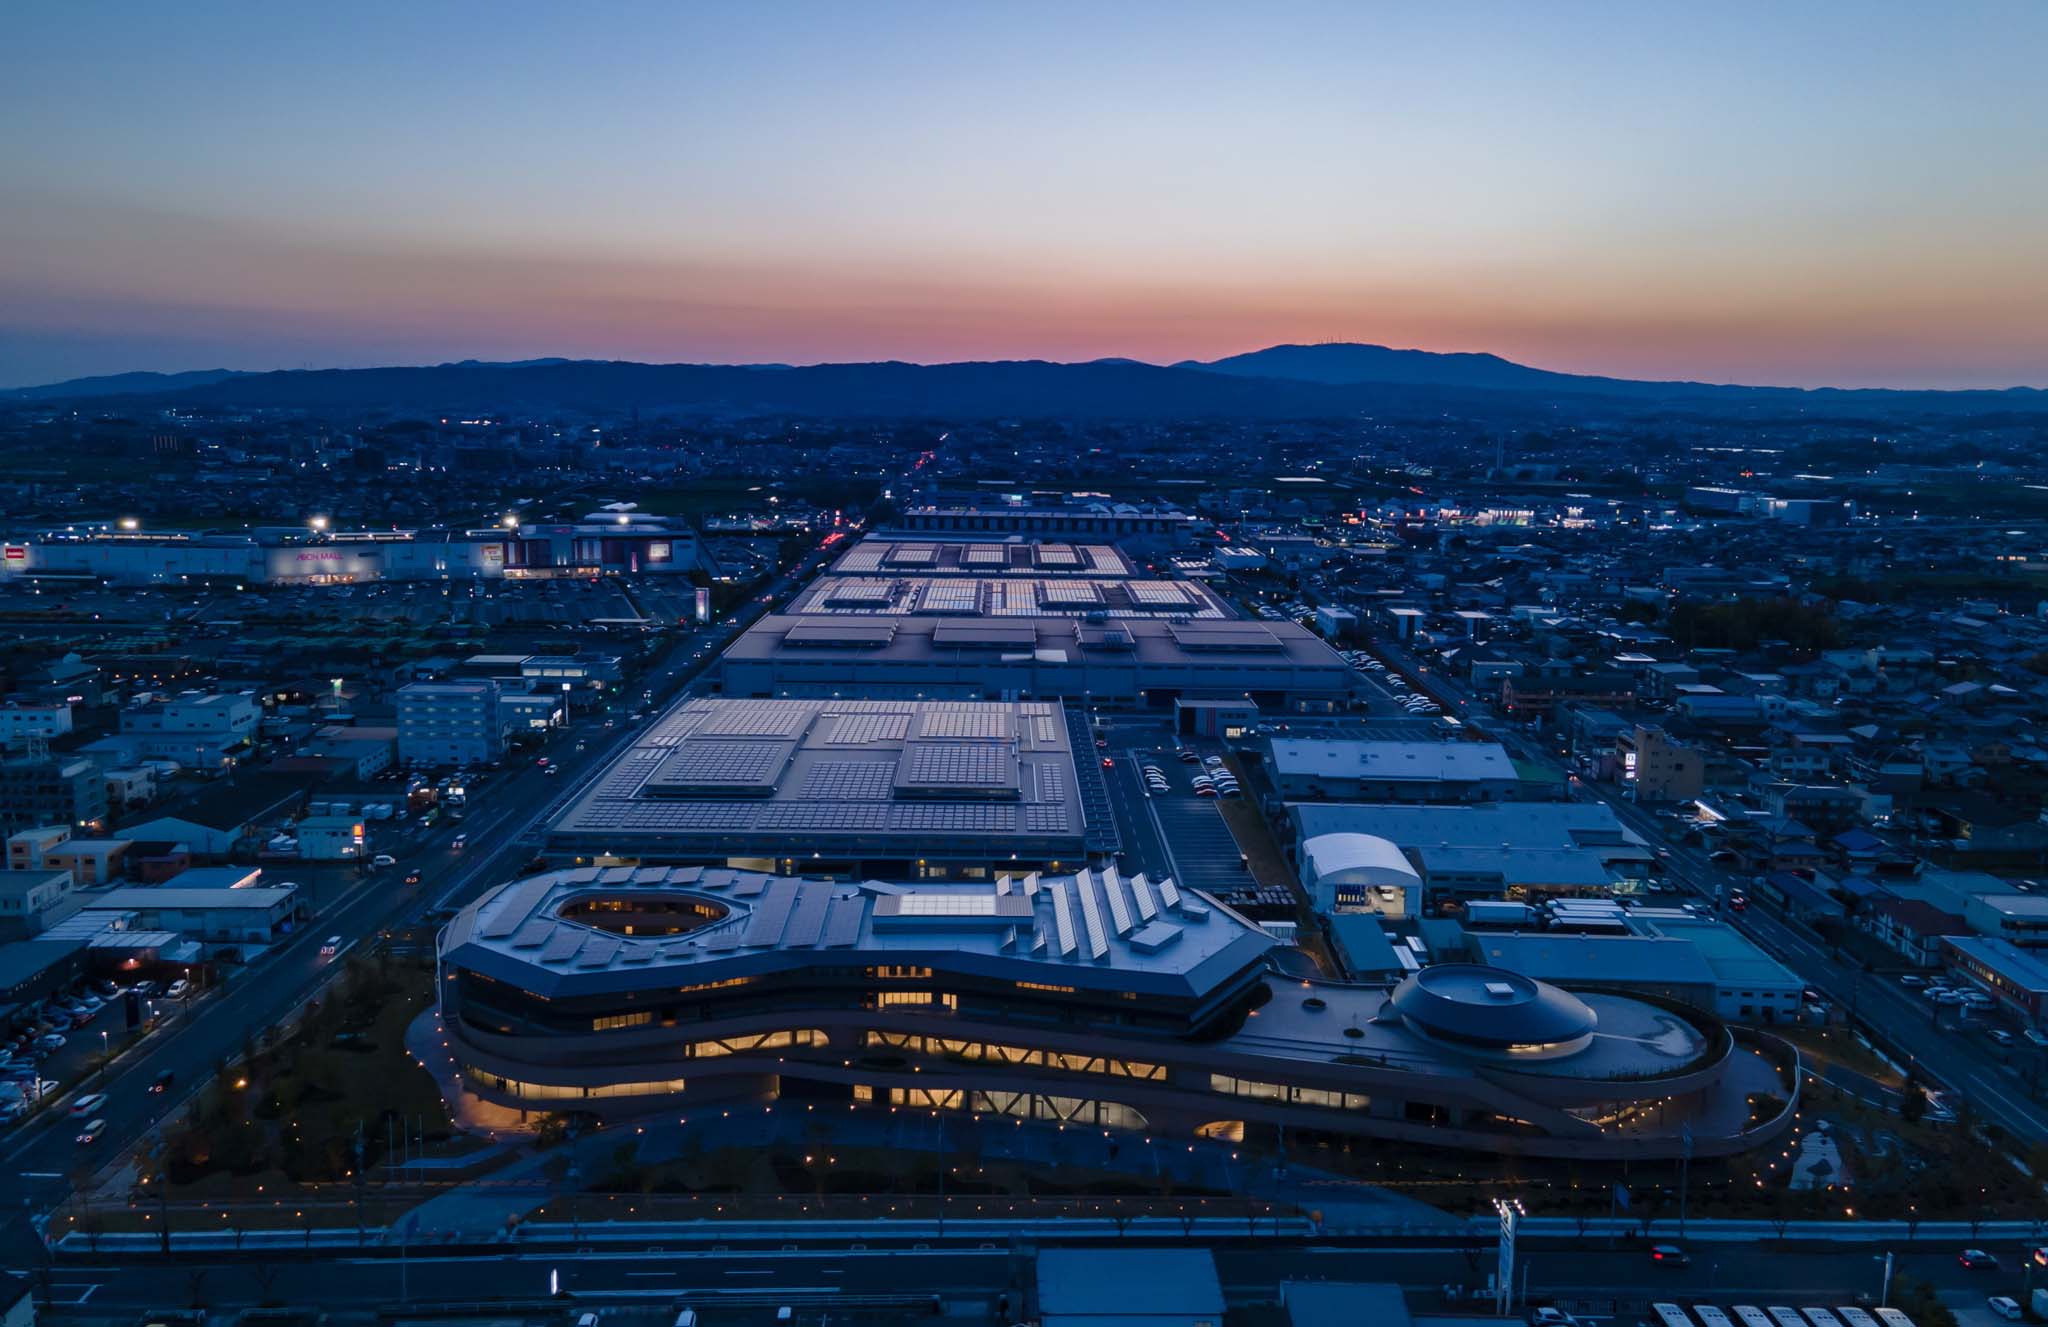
(642, 914)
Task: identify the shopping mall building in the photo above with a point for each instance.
(1091, 998)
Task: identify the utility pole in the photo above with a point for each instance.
(1684, 1175)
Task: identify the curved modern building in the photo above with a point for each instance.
(1090, 998)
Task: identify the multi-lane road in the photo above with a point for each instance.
(1621, 1281)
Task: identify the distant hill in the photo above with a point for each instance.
(1282, 382)
(117, 384)
(1349, 363)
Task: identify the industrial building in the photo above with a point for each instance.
(1125, 662)
(1668, 953)
(1023, 620)
(1343, 770)
(1077, 520)
(458, 724)
(918, 788)
(62, 790)
(885, 555)
(1088, 998)
(1407, 859)
(600, 543)
(255, 915)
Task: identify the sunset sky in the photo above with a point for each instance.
(1850, 192)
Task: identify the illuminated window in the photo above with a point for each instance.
(900, 972)
(565, 1092)
(610, 1021)
(764, 1041)
(1299, 1096)
(923, 999)
(1043, 986)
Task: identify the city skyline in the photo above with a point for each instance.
(1843, 196)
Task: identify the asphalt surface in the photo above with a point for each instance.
(41, 1160)
(1618, 1284)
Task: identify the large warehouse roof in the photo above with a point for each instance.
(779, 778)
(880, 555)
(892, 593)
(1420, 762)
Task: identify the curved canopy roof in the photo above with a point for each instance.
(1364, 859)
(1484, 1006)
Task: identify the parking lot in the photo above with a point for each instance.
(1197, 846)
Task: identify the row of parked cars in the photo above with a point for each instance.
(1936, 991)
(1215, 780)
(23, 1049)
(1412, 701)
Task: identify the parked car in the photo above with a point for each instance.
(178, 989)
(383, 859)
(2005, 1306)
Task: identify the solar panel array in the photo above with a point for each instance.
(912, 555)
(722, 765)
(757, 719)
(1091, 914)
(863, 557)
(952, 817)
(981, 765)
(984, 722)
(821, 817)
(1047, 819)
(1157, 594)
(1058, 555)
(849, 781)
(691, 816)
(857, 590)
(930, 903)
(1063, 917)
(985, 555)
(861, 729)
(842, 923)
(950, 597)
(1069, 594)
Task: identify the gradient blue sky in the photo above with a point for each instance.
(1835, 191)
